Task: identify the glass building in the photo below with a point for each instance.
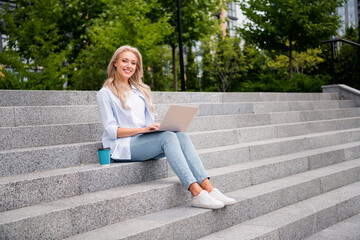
(349, 14)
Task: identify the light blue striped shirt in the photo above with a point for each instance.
(114, 115)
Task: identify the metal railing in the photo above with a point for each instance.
(333, 41)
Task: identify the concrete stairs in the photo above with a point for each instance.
(292, 161)
(347, 229)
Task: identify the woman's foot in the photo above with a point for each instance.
(216, 194)
(204, 200)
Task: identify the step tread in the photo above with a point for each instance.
(82, 177)
(280, 223)
(82, 150)
(244, 119)
(204, 132)
(121, 192)
(197, 118)
(50, 147)
(256, 227)
(92, 102)
(275, 125)
(347, 229)
(95, 167)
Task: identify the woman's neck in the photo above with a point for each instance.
(123, 84)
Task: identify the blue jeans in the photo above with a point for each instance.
(178, 149)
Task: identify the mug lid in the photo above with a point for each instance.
(104, 148)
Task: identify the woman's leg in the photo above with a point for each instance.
(198, 169)
(147, 146)
(144, 147)
(194, 162)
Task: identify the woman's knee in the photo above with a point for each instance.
(182, 136)
(168, 136)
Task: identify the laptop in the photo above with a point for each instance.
(177, 119)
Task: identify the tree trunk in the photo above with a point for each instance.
(290, 60)
(174, 66)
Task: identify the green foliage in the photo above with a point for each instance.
(33, 51)
(157, 75)
(222, 63)
(302, 61)
(56, 41)
(284, 25)
(276, 82)
(198, 21)
(123, 23)
(208, 76)
(348, 60)
(196, 15)
(192, 82)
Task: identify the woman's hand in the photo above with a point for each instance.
(152, 127)
(128, 132)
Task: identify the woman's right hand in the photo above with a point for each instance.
(128, 132)
(152, 127)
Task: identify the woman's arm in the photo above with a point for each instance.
(128, 132)
(106, 114)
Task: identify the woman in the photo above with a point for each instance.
(126, 111)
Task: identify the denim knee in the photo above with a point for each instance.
(182, 136)
(168, 136)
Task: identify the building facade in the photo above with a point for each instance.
(350, 15)
(3, 36)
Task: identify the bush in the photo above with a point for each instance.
(277, 82)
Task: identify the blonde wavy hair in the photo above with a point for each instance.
(135, 79)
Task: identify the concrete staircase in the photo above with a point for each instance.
(292, 161)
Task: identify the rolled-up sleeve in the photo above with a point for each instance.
(107, 115)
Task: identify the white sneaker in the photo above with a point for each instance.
(215, 193)
(204, 200)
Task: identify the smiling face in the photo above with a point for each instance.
(126, 65)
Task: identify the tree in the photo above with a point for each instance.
(302, 61)
(192, 83)
(287, 25)
(56, 41)
(45, 39)
(348, 60)
(124, 22)
(224, 63)
(157, 73)
(33, 57)
(208, 77)
(197, 21)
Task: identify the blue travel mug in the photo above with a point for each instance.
(104, 156)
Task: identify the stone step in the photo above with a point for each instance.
(302, 219)
(27, 160)
(185, 222)
(268, 96)
(191, 97)
(47, 115)
(207, 123)
(44, 98)
(275, 146)
(206, 109)
(258, 133)
(28, 189)
(298, 106)
(47, 135)
(318, 157)
(346, 229)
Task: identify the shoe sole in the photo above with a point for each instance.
(207, 207)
